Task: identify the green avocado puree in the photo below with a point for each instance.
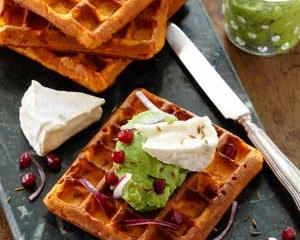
(139, 191)
(263, 26)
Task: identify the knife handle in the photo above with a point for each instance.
(287, 173)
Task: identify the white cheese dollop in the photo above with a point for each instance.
(49, 117)
(188, 144)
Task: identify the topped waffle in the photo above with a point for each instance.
(91, 22)
(141, 38)
(201, 200)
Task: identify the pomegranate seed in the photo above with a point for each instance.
(159, 185)
(289, 234)
(25, 160)
(176, 217)
(126, 136)
(230, 150)
(118, 156)
(111, 178)
(28, 179)
(53, 161)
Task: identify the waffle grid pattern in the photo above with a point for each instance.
(91, 22)
(91, 71)
(140, 39)
(201, 200)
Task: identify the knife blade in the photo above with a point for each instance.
(230, 105)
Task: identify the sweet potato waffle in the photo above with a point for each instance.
(91, 22)
(201, 200)
(91, 71)
(142, 38)
(174, 6)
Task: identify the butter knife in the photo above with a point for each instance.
(232, 107)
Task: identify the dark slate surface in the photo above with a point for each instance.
(163, 75)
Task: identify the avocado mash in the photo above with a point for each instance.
(139, 192)
(263, 27)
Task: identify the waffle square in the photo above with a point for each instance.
(91, 22)
(91, 71)
(142, 38)
(201, 200)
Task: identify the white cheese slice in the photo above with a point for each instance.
(188, 144)
(49, 117)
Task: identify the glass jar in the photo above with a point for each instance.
(263, 27)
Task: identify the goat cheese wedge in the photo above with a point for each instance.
(49, 117)
(187, 144)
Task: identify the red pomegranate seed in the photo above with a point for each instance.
(176, 217)
(53, 161)
(289, 234)
(28, 179)
(159, 185)
(25, 160)
(230, 150)
(118, 156)
(111, 178)
(126, 136)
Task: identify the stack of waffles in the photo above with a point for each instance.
(201, 200)
(88, 41)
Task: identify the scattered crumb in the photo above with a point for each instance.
(254, 230)
(254, 224)
(256, 233)
(247, 218)
(257, 195)
(19, 189)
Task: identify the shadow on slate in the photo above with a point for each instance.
(164, 75)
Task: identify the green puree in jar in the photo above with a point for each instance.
(264, 27)
(139, 192)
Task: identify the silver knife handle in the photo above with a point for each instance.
(287, 173)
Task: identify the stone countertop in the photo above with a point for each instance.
(263, 200)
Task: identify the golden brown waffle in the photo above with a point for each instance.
(201, 200)
(91, 71)
(142, 38)
(91, 22)
(175, 5)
